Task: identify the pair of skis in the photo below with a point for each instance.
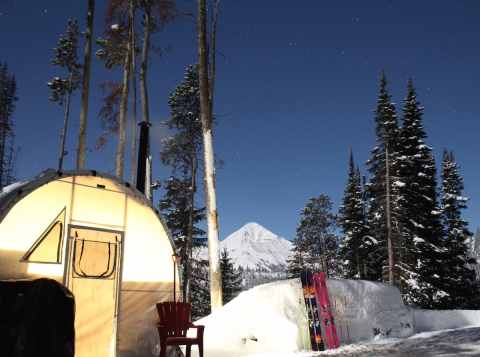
(319, 312)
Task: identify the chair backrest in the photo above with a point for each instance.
(175, 316)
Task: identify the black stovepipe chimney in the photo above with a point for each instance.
(143, 152)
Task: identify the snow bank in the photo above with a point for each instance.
(364, 310)
(433, 320)
(266, 318)
(271, 318)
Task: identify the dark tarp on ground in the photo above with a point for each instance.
(36, 319)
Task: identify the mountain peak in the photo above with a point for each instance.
(254, 246)
(253, 231)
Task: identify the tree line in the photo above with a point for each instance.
(399, 226)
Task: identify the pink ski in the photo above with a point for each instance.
(326, 316)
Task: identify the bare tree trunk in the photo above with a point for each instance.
(144, 65)
(122, 120)
(389, 217)
(212, 54)
(206, 118)
(134, 154)
(63, 135)
(188, 265)
(85, 87)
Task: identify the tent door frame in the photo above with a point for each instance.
(67, 276)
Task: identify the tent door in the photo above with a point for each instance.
(93, 273)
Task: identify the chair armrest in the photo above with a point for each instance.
(162, 330)
(200, 329)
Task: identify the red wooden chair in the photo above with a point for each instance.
(173, 326)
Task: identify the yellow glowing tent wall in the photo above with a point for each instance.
(90, 204)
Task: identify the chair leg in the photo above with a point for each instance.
(200, 349)
(189, 350)
(163, 350)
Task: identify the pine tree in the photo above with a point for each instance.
(458, 280)
(381, 193)
(419, 224)
(8, 98)
(352, 221)
(175, 207)
(231, 277)
(182, 151)
(61, 89)
(315, 245)
(200, 289)
(296, 262)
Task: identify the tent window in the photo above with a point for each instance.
(93, 259)
(48, 248)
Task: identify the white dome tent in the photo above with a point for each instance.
(102, 239)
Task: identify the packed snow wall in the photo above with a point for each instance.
(272, 317)
(266, 318)
(364, 310)
(433, 320)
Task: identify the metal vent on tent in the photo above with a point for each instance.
(48, 247)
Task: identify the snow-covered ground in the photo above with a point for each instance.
(460, 342)
(271, 318)
(270, 321)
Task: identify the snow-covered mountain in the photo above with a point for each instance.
(253, 247)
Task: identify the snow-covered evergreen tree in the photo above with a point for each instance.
(419, 221)
(61, 88)
(175, 207)
(315, 246)
(457, 279)
(352, 221)
(296, 262)
(182, 150)
(383, 197)
(231, 277)
(200, 288)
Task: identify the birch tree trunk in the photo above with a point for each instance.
(63, 135)
(85, 87)
(188, 251)
(133, 163)
(211, 201)
(122, 120)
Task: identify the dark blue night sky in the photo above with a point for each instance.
(297, 83)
